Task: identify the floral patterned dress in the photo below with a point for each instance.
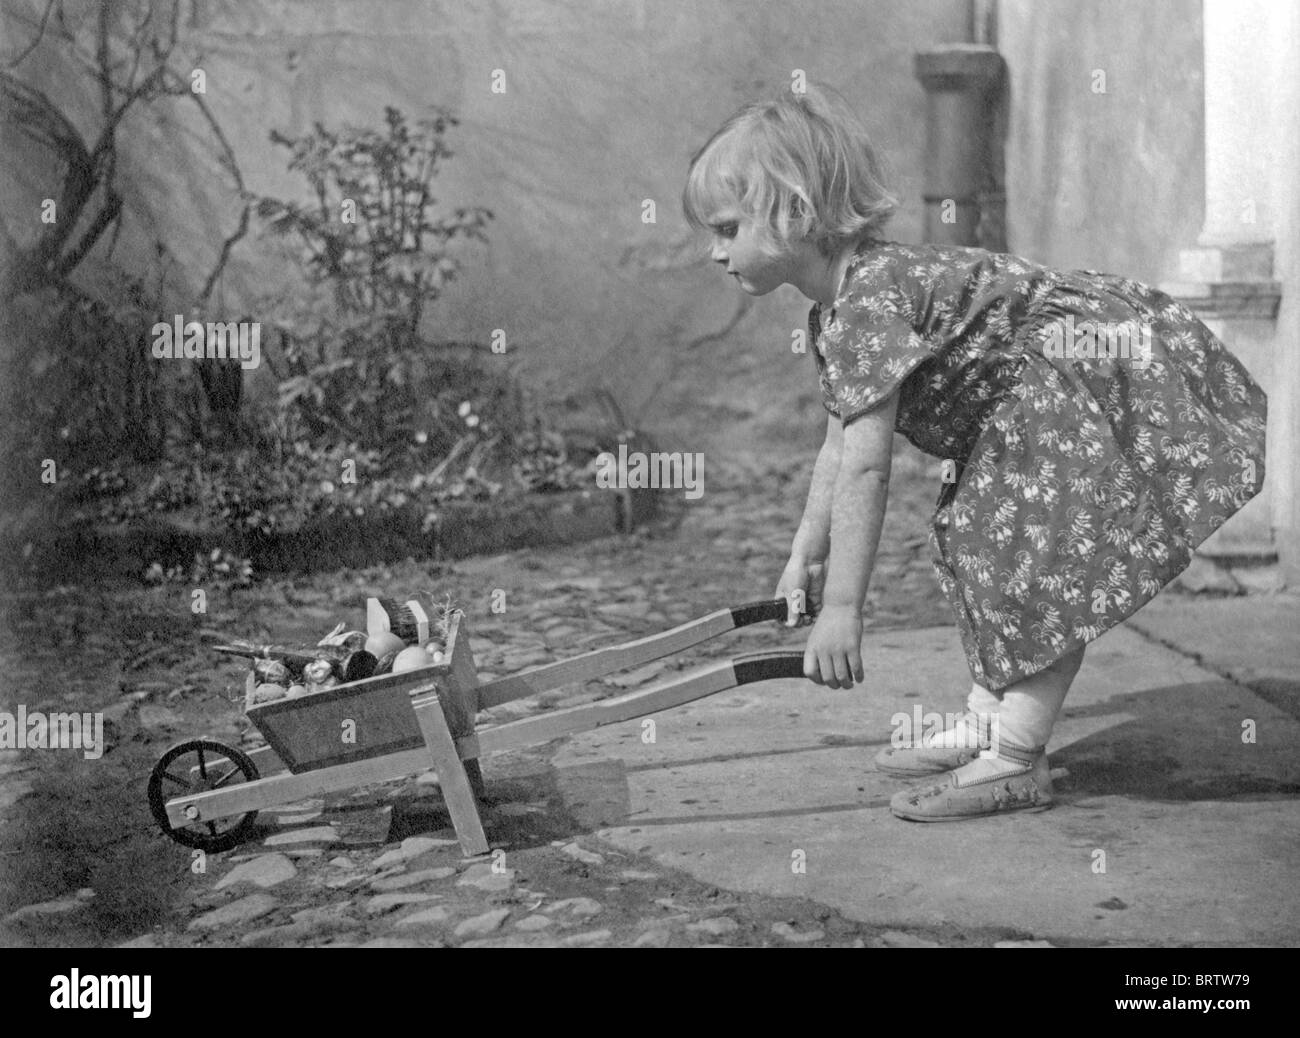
(1097, 431)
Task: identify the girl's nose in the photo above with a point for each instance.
(719, 254)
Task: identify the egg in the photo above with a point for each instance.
(297, 690)
(381, 644)
(410, 659)
(266, 693)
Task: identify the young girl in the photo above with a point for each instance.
(1097, 432)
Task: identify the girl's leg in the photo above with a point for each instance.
(1028, 713)
(1013, 774)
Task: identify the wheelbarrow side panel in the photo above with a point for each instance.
(338, 726)
(363, 719)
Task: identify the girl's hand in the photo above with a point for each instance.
(808, 578)
(833, 656)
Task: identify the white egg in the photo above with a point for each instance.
(266, 693)
(410, 659)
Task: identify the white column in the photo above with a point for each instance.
(1238, 105)
(1235, 276)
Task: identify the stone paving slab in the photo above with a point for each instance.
(1254, 639)
(1195, 828)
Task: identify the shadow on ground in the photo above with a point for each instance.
(1156, 754)
(1146, 755)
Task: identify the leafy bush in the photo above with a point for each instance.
(370, 415)
(217, 567)
(285, 479)
(78, 384)
(373, 254)
(543, 463)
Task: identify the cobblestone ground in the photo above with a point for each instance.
(84, 864)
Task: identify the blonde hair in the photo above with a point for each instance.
(802, 163)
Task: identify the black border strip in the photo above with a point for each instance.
(757, 612)
(764, 666)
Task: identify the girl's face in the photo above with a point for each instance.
(737, 245)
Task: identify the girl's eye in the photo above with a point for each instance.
(727, 230)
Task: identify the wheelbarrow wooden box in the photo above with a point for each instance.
(394, 725)
(363, 719)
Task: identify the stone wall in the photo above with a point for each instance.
(605, 102)
(1111, 181)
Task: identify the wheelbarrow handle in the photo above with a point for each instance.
(612, 658)
(763, 666)
(665, 695)
(757, 612)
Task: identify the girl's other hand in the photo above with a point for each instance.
(807, 578)
(833, 656)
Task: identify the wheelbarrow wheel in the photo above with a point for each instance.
(195, 767)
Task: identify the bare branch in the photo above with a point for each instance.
(228, 161)
(106, 141)
(40, 34)
(90, 167)
(173, 24)
(227, 152)
(108, 212)
(38, 117)
(224, 255)
(742, 308)
(112, 242)
(102, 60)
(137, 45)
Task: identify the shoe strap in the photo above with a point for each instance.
(1017, 754)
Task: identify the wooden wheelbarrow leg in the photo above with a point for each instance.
(460, 789)
(446, 712)
(459, 695)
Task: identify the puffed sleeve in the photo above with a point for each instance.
(823, 380)
(870, 345)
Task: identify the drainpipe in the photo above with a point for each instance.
(966, 104)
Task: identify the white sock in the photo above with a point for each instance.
(1029, 713)
(1024, 715)
(962, 736)
(981, 702)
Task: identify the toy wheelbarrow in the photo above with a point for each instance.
(206, 795)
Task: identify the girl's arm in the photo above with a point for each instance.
(805, 573)
(812, 541)
(860, 493)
